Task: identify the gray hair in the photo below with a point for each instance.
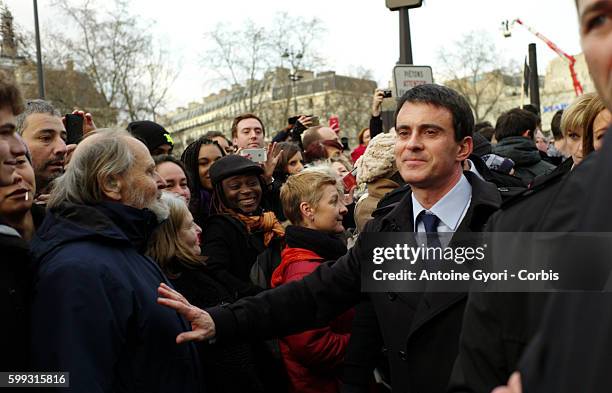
(31, 107)
(93, 162)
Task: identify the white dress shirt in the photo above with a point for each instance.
(450, 209)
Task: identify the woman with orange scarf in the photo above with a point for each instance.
(239, 230)
(235, 237)
(313, 202)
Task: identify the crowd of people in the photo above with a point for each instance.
(236, 265)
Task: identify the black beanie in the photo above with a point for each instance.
(481, 145)
(150, 133)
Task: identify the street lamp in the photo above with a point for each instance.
(294, 59)
(41, 78)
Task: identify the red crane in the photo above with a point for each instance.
(569, 58)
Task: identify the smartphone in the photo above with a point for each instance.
(334, 123)
(349, 182)
(387, 93)
(313, 119)
(255, 155)
(74, 129)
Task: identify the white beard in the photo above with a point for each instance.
(160, 209)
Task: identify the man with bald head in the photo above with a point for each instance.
(320, 142)
(94, 312)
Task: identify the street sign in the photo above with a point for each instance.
(406, 76)
(397, 4)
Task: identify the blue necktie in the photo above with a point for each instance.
(431, 221)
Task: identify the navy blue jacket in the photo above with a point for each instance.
(94, 311)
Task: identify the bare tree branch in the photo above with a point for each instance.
(474, 67)
(119, 55)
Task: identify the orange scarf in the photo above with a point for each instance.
(267, 223)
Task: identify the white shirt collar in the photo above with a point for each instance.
(451, 208)
(473, 169)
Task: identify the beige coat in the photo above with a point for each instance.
(367, 204)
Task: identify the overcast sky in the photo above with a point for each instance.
(360, 33)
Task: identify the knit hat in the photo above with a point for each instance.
(378, 161)
(498, 163)
(233, 165)
(481, 145)
(150, 133)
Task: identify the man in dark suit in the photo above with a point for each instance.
(420, 329)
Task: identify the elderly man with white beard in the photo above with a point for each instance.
(94, 311)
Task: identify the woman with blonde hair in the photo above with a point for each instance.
(175, 246)
(313, 202)
(598, 119)
(574, 122)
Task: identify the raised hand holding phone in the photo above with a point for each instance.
(334, 123)
(377, 99)
(74, 128)
(256, 155)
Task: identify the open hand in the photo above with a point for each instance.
(271, 161)
(202, 325)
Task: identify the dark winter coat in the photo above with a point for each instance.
(313, 358)
(94, 310)
(507, 185)
(365, 352)
(16, 274)
(231, 253)
(229, 368)
(572, 350)
(366, 341)
(15, 281)
(421, 332)
(498, 326)
(528, 163)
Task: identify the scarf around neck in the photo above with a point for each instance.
(266, 222)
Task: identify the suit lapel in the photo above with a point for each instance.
(485, 200)
(400, 219)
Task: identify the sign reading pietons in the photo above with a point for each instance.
(406, 76)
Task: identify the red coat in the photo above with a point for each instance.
(358, 152)
(313, 358)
